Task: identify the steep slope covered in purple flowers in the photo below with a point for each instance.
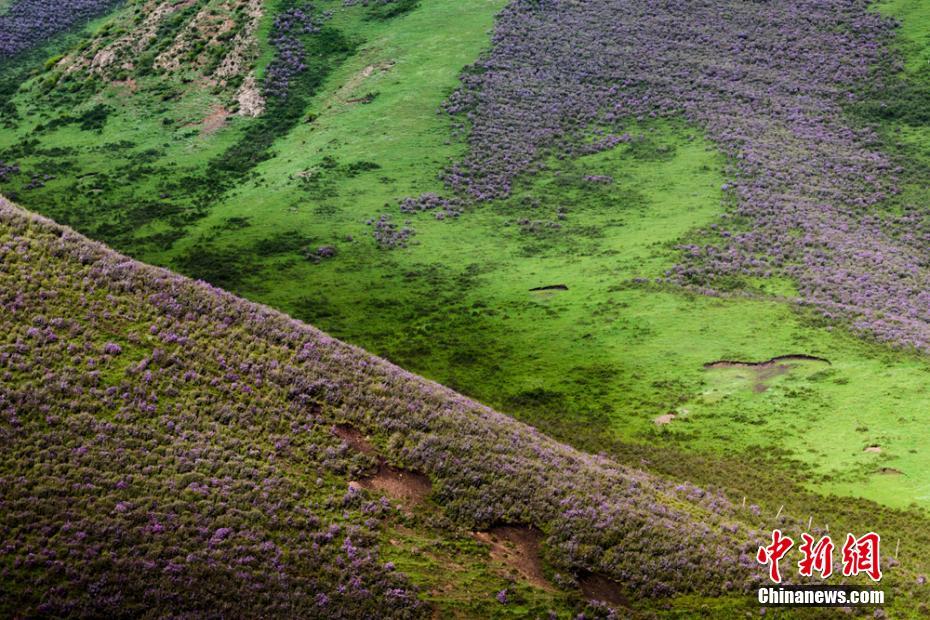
(768, 81)
(165, 444)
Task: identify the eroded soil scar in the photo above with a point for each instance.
(551, 287)
(598, 587)
(664, 419)
(769, 362)
(515, 546)
(769, 369)
(406, 486)
(409, 487)
(354, 438)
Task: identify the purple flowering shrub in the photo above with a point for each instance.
(168, 447)
(388, 234)
(440, 206)
(769, 82)
(290, 56)
(7, 170)
(148, 468)
(31, 23)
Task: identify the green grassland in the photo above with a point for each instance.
(594, 364)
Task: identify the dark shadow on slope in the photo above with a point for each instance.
(551, 287)
(778, 358)
(517, 546)
(598, 587)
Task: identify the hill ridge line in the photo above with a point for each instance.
(653, 536)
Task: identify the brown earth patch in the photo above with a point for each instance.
(409, 487)
(890, 471)
(214, 121)
(353, 437)
(518, 548)
(598, 587)
(662, 420)
(874, 449)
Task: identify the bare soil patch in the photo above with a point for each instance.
(874, 449)
(214, 121)
(518, 548)
(667, 418)
(356, 440)
(597, 587)
(890, 471)
(408, 487)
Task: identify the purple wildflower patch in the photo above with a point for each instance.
(768, 82)
(30, 23)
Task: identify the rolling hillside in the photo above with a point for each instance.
(334, 188)
(689, 237)
(173, 448)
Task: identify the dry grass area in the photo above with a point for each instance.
(212, 44)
